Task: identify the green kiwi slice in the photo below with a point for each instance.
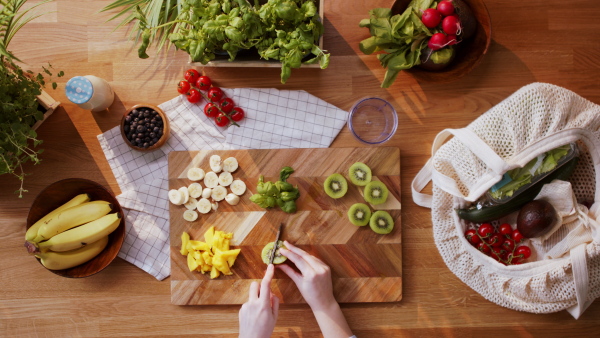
(266, 253)
(381, 222)
(376, 192)
(359, 214)
(335, 186)
(360, 174)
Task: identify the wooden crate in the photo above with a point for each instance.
(252, 59)
(49, 104)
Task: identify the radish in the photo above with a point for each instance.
(445, 7)
(431, 18)
(437, 41)
(451, 39)
(451, 25)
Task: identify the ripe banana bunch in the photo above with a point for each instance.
(72, 234)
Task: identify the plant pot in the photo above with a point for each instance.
(48, 104)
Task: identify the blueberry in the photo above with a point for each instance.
(152, 125)
(154, 140)
(145, 145)
(146, 113)
(128, 118)
(141, 129)
(126, 128)
(140, 135)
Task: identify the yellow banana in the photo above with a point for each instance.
(71, 218)
(82, 235)
(68, 259)
(33, 230)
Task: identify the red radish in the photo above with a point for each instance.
(431, 18)
(452, 39)
(437, 41)
(445, 7)
(451, 25)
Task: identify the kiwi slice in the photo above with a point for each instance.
(376, 192)
(359, 214)
(359, 173)
(336, 186)
(266, 253)
(381, 222)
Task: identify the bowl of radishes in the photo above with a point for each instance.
(460, 35)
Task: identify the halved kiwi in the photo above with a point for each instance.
(381, 222)
(376, 192)
(335, 186)
(268, 249)
(360, 174)
(359, 214)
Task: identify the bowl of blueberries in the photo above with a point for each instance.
(145, 127)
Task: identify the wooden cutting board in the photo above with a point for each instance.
(366, 267)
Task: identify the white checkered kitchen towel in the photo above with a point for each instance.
(274, 119)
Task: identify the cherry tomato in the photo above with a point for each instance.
(226, 105)
(483, 247)
(508, 244)
(215, 94)
(191, 75)
(495, 240)
(498, 253)
(211, 110)
(485, 230)
(203, 83)
(472, 237)
(237, 114)
(517, 236)
(515, 260)
(183, 87)
(194, 96)
(505, 229)
(523, 251)
(221, 120)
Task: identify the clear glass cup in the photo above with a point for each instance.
(373, 120)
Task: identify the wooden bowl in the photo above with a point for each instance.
(166, 128)
(57, 194)
(470, 52)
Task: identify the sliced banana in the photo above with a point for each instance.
(185, 193)
(230, 164)
(211, 179)
(191, 203)
(203, 206)
(175, 197)
(195, 190)
(214, 205)
(238, 187)
(218, 193)
(190, 215)
(216, 164)
(232, 199)
(206, 193)
(225, 178)
(195, 174)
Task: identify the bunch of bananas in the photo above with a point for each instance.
(72, 234)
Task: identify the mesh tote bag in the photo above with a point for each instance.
(563, 272)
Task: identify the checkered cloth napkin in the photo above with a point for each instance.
(274, 119)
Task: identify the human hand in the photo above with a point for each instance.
(259, 314)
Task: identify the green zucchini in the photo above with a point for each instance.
(494, 212)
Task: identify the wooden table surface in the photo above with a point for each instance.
(550, 41)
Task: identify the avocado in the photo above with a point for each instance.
(436, 60)
(536, 218)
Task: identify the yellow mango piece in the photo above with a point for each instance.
(191, 262)
(221, 263)
(230, 256)
(228, 235)
(207, 257)
(208, 235)
(185, 238)
(206, 268)
(198, 245)
(197, 254)
(214, 273)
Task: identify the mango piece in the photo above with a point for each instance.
(206, 268)
(214, 273)
(206, 255)
(230, 256)
(208, 235)
(185, 238)
(191, 262)
(221, 263)
(198, 245)
(197, 254)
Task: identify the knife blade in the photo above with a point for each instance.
(275, 244)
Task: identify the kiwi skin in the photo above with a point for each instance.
(266, 253)
(342, 182)
(366, 214)
(380, 217)
(359, 166)
(373, 186)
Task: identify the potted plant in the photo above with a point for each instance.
(24, 102)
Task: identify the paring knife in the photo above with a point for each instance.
(275, 245)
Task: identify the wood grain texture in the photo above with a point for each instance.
(365, 266)
(549, 41)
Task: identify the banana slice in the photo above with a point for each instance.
(191, 203)
(230, 164)
(195, 190)
(185, 193)
(216, 164)
(206, 193)
(214, 206)
(190, 215)
(175, 197)
(203, 206)
(225, 178)
(211, 179)
(238, 187)
(232, 199)
(218, 193)
(195, 174)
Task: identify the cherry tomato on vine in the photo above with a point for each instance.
(215, 94)
(485, 230)
(221, 120)
(517, 236)
(505, 229)
(203, 83)
(498, 253)
(237, 114)
(194, 96)
(483, 247)
(495, 240)
(211, 110)
(523, 251)
(183, 87)
(471, 236)
(226, 105)
(508, 245)
(191, 75)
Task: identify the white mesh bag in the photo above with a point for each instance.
(535, 119)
